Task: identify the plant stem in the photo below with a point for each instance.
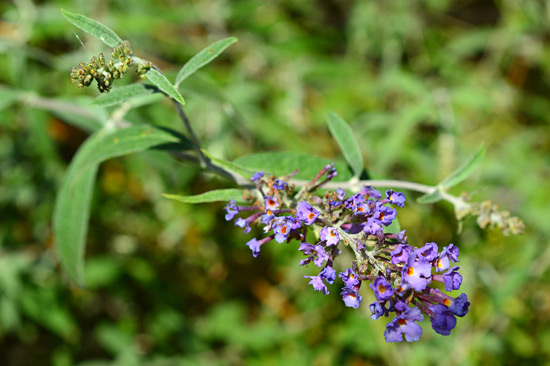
(194, 140)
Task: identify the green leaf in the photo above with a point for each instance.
(394, 227)
(345, 138)
(431, 197)
(94, 28)
(158, 78)
(203, 57)
(232, 167)
(7, 97)
(212, 196)
(282, 163)
(465, 170)
(72, 206)
(124, 93)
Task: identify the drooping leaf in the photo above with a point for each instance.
(123, 93)
(203, 57)
(431, 197)
(70, 220)
(94, 28)
(345, 138)
(211, 196)
(158, 78)
(282, 163)
(465, 170)
(72, 207)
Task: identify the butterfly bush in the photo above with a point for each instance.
(405, 279)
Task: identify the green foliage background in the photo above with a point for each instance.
(422, 84)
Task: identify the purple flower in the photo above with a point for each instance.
(282, 229)
(279, 184)
(370, 192)
(349, 277)
(396, 198)
(382, 289)
(307, 248)
(428, 252)
(351, 298)
(254, 245)
(442, 262)
(318, 284)
(331, 171)
(402, 237)
(460, 305)
(399, 305)
(267, 217)
(405, 325)
(361, 209)
(401, 254)
(384, 214)
(271, 203)
(415, 273)
(240, 222)
(328, 274)
(443, 320)
(330, 235)
(340, 193)
(231, 209)
(322, 255)
(257, 176)
(452, 252)
(452, 279)
(377, 310)
(373, 227)
(306, 213)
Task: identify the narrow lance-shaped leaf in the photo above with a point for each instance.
(465, 170)
(94, 28)
(158, 78)
(230, 166)
(211, 196)
(282, 163)
(72, 206)
(345, 138)
(124, 93)
(431, 197)
(203, 57)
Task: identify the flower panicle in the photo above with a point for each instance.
(400, 275)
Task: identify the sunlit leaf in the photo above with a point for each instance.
(94, 28)
(431, 197)
(72, 207)
(345, 138)
(203, 57)
(465, 170)
(123, 93)
(211, 196)
(158, 78)
(282, 163)
(230, 166)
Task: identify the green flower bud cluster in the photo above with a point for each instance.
(105, 72)
(489, 215)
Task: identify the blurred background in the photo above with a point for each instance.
(422, 83)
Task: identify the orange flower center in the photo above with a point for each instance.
(402, 321)
(410, 271)
(381, 289)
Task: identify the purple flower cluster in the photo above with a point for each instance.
(401, 276)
